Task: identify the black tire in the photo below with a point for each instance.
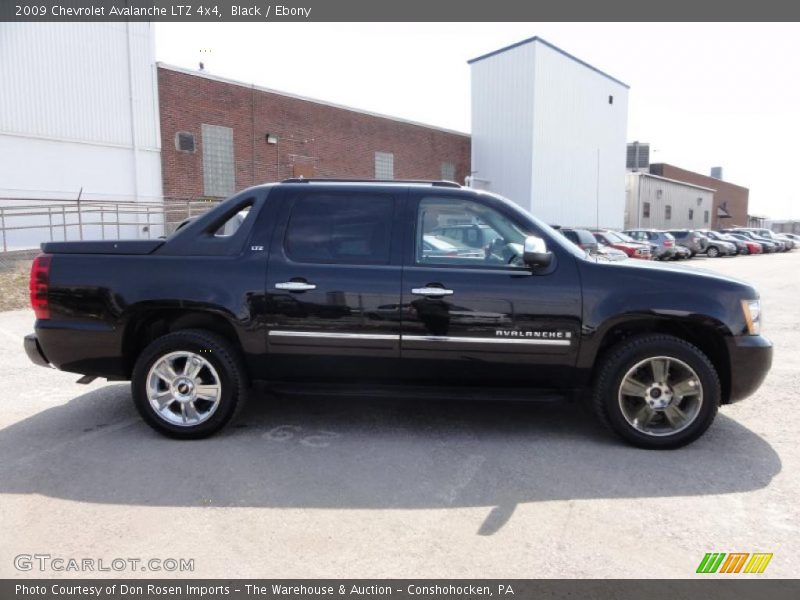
(227, 363)
(712, 252)
(617, 362)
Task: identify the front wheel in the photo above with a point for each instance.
(713, 252)
(188, 384)
(657, 392)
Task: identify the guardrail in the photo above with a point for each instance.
(57, 220)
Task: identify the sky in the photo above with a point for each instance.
(702, 95)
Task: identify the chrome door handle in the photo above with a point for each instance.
(431, 291)
(295, 286)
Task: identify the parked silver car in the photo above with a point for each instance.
(694, 241)
(662, 242)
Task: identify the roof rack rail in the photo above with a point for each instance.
(451, 184)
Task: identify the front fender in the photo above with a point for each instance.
(657, 298)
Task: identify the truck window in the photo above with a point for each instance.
(435, 215)
(340, 228)
(233, 224)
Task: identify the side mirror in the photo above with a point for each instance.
(535, 253)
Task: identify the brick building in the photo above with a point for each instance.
(219, 136)
(730, 200)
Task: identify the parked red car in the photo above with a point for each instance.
(627, 244)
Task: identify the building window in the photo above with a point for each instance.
(384, 165)
(659, 194)
(218, 169)
(691, 214)
(646, 210)
(611, 99)
(448, 171)
(668, 212)
(705, 217)
(184, 142)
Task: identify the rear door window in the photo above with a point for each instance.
(340, 228)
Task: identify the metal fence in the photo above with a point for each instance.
(28, 223)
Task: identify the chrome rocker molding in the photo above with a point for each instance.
(418, 338)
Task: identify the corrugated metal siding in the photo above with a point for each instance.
(579, 143)
(538, 121)
(78, 113)
(660, 193)
(502, 123)
(70, 81)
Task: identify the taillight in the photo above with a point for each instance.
(40, 281)
(668, 243)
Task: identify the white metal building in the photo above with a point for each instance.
(654, 202)
(78, 111)
(549, 133)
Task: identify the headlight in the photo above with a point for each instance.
(752, 315)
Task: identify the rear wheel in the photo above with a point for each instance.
(188, 384)
(657, 392)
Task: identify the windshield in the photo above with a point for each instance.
(617, 237)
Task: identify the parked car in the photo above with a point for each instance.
(620, 241)
(682, 253)
(582, 238)
(769, 245)
(784, 245)
(742, 247)
(609, 253)
(661, 242)
(794, 237)
(776, 237)
(312, 259)
(717, 247)
(694, 241)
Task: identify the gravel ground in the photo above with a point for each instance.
(14, 286)
(316, 487)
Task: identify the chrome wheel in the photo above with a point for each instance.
(183, 388)
(660, 396)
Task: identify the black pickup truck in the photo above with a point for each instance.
(347, 286)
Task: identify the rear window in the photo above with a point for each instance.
(339, 228)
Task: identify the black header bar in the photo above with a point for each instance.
(194, 11)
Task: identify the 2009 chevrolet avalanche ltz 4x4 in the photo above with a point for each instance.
(341, 283)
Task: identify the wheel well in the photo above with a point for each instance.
(702, 335)
(149, 326)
